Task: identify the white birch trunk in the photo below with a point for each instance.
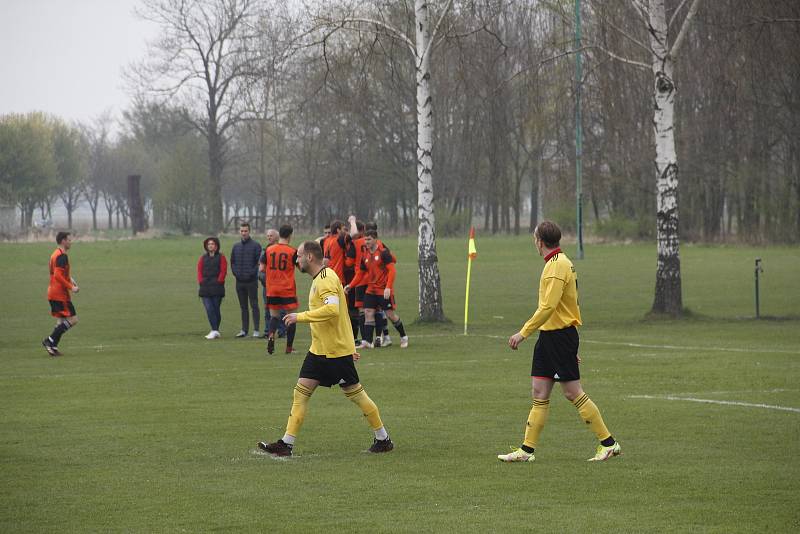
(430, 292)
(668, 274)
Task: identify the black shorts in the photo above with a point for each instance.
(360, 292)
(555, 355)
(62, 308)
(330, 371)
(377, 302)
(281, 303)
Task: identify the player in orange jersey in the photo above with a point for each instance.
(335, 249)
(378, 270)
(281, 287)
(58, 293)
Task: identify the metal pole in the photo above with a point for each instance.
(758, 270)
(578, 131)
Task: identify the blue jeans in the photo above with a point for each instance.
(212, 305)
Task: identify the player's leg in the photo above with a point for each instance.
(397, 322)
(66, 318)
(274, 319)
(345, 371)
(590, 414)
(369, 327)
(380, 324)
(310, 375)
(291, 330)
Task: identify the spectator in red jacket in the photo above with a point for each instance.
(211, 270)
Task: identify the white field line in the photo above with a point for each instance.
(638, 345)
(712, 401)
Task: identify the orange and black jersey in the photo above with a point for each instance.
(60, 281)
(280, 261)
(336, 251)
(377, 270)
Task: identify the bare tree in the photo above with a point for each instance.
(202, 58)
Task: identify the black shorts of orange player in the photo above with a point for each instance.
(377, 302)
(282, 303)
(555, 355)
(62, 309)
(330, 371)
(360, 291)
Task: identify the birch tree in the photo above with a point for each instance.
(421, 48)
(662, 56)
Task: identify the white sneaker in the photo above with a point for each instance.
(365, 345)
(516, 455)
(214, 334)
(256, 334)
(387, 340)
(404, 342)
(241, 333)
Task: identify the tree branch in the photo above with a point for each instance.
(684, 28)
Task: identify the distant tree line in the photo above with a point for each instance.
(312, 113)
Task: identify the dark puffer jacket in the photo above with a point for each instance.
(244, 260)
(211, 271)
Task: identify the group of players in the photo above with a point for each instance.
(365, 267)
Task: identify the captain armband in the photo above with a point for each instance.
(331, 300)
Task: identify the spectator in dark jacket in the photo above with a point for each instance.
(244, 264)
(211, 270)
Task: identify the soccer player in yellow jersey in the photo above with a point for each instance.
(330, 360)
(555, 356)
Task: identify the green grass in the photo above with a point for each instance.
(145, 426)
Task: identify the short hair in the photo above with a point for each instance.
(371, 233)
(243, 224)
(549, 233)
(335, 225)
(61, 236)
(314, 248)
(360, 225)
(371, 225)
(286, 231)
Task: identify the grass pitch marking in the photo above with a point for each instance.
(712, 401)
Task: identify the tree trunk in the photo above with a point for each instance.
(215, 166)
(430, 291)
(668, 273)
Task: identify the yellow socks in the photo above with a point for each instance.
(536, 420)
(300, 400)
(368, 408)
(591, 415)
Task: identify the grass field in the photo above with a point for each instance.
(144, 426)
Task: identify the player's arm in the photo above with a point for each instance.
(360, 278)
(60, 273)
(328, 311)
(391, 274)
(553, 289)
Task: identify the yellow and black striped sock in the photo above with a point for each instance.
(300, 398)
(536, 421)
(591, 416)
(368, 408)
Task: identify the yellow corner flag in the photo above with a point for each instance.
(472, 253)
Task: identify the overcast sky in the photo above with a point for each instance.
(65, 57)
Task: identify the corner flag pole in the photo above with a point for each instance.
(472, 253)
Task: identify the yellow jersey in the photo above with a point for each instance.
(331, 332)
(558, 296)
